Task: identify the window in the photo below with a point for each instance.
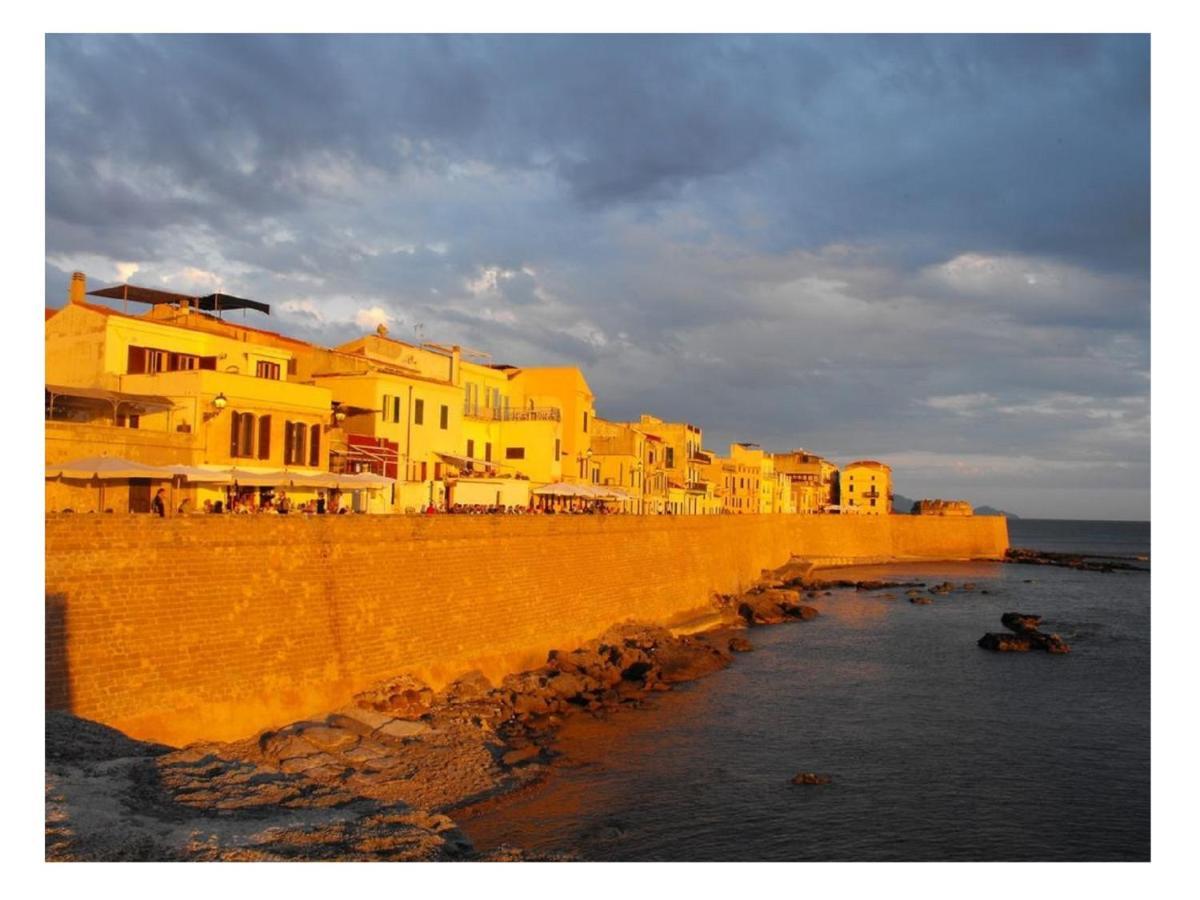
(264, 437)
(470, 449)
(395, 409)
(293, 364)
(557, 449)
(383, 410)
(437, 471)
(419, 414)
(130, 421)
(514, 452)
(872, 502)
(487, 452)
(424, 471)
(149, 361)
(263, 369)
(852, 487)
(445, 418)
(295, 436)
(670, 457)
(585, 417)
(241, 435)
(314, 445)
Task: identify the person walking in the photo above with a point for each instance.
(158, 506)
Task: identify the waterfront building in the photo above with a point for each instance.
(812, 480)
(175, 386)
(619, 453)
(866, 488)
(688, 492)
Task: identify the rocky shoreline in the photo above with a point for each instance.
(378, 778)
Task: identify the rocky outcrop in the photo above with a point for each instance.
(1026, 557)
(1023, 636)
(811, 778)
(772, 607)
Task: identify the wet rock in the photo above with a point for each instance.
(944, 588)
(1025, 636)
(688, 660)
(1020, 623)
(920, 600)
(811, 778)
(1005, 642)
(740, 645)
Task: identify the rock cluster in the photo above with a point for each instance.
(811, 778)
(1023, 636)
(1025, 557)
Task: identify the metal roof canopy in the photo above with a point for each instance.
(211, 302)
(141, 294)
(219, 302)
(146, 401)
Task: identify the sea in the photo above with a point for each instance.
(936, 749)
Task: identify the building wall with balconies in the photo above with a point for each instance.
(866, 488)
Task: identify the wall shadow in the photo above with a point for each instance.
(58, 670)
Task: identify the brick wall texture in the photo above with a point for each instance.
(217, 627)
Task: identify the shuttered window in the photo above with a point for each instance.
(395, 409)
(264, 437)
(295, 436)
(419, 414)
(314, 445)
(445, 419)
(241, 437)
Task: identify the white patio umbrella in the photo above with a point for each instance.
(106, 468)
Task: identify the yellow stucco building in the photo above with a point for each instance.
(423, 423)
(866, 488)
(175, 386)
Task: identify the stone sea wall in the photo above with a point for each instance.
(215, 627)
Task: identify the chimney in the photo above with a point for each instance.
(78, 288)
(455, 360)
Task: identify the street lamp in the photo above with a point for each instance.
(219, 402)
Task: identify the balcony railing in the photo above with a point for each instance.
(513, 414)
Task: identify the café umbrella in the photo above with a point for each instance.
(106, 468)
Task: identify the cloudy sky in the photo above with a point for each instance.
(930, 250)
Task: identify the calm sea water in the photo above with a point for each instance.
(939, 750)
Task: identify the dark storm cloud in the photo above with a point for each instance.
(934, 246)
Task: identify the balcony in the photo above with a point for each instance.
(871, 495)
(511, 414)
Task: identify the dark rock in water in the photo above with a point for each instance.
(969, 586)
(1020, 623)
(871, 585)
(1025, 636)
(920, 600)
(740, 645)
(1002, 642)
(811, 778)
(1026, 557)
(985, 591)
(944, 588)
(773, 607)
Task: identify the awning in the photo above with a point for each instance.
(563, 489)
(141, 294)
(145, 401)
(107, 468)
(219, 302)
(200, 474)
